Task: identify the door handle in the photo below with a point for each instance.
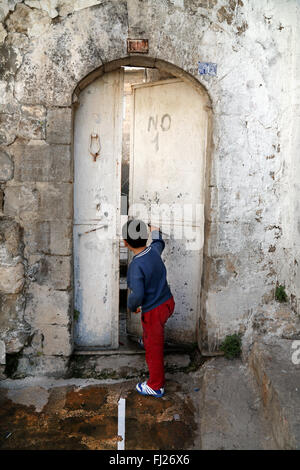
(93, 230)
(94, 145)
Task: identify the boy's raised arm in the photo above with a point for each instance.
(158, 243)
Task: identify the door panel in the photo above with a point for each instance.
(169, 133)
(97, 212)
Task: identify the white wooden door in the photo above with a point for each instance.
(97, 212)
(168, 147)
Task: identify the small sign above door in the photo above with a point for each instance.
(138, 45)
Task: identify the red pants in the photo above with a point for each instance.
(153, 323)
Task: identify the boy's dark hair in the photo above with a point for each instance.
(135, 233)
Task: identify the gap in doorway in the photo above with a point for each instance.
(132, 76)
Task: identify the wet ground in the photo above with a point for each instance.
(42, 414)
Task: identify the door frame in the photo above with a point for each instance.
(163, 66)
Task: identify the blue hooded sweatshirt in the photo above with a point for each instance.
(147, 277)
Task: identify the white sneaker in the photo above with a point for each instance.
(144, 389)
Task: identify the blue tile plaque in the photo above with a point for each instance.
(207, 68)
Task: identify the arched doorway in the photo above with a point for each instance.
(169, 130)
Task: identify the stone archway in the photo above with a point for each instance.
(168, 68)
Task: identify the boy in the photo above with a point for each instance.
(150, 295)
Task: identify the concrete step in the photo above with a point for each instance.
(120, 364)
(276, 367)
(230, 411)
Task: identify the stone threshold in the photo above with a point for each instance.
(126, 361)
(128, 346)
(105, 352)
(120, 352)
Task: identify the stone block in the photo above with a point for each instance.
(16, 340)
(19, 41)
(113, 366)
(275, 319)
(29, 124)
(45, 306)
(36, 343)
(42, 365)
(6, 167)
(32, 124)
(39, 201)
(36, 111)
(36, 237)
(21, 201)
(176, 361)
(61, 237)
(55, 201)
(231, 416)
(59, 126)
(10, 238)
(3, 34)
(65, 7)
(14, 330)
(39, 161)
(120, 365)
(11, 311)
(276, 366)
(53, 271)
(9, 124)
(4, 9)
(47, 5)
(57, 340)
(8, 103)
(11, 278)
(32, 22)
(52, 237)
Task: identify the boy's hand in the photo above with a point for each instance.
(152, 228)
(137, 310)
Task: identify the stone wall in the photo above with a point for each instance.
(47, 48)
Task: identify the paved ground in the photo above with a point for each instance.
(215, 407)
(231, 409)
(83, 414)
(275, 363)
